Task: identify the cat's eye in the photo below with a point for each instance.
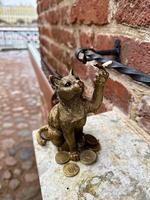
(77, 78)
(68, 84)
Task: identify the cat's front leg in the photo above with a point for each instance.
(71, 141)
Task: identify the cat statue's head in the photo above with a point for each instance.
(67, 87)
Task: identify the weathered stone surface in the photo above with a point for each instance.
(143, 113)
(121, 171)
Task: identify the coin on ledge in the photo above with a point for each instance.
(88, 157)
(62, 157)
(71, 169)
(91, 140)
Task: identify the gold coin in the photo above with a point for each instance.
(71, 169)
(90, 139)
(88, 157)
(62, 157)
(95, 148)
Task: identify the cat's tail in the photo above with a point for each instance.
(42, 135)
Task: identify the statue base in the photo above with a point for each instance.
(121, 171)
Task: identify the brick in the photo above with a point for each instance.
(64, 36)
(50, 61)
(52, 17)
(45, 31)
(86, 39)
(44, 54)
(54, 2)
(42, 19)
(79, 69)
(58, 67)
(39, 8)
(64, 15)
(134, 53)
(61, 55)
(44, 5)
(89, 11)
(102, 108)
(44, 42)
(134, 13)
(57, 52)
(118, 94)
(62, 70)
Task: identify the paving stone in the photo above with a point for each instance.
(10, 161)
(8, 132)
(2, 155)
(24, 132)
(7, 197)
(14, 184)
(28, 193)
(18, 109)
(7, 125)
(30, 177)
(7, 119)
(7, 143)
(19, 119)
(25, 153)
(26, 165)
(12, 152)
(18, 83)
(17, 172)
(16, 92)
(7, 175)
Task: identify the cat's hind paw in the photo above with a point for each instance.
(74, 156)
(40, 141)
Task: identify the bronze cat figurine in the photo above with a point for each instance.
(67, 118)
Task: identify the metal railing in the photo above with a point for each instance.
(18, 37)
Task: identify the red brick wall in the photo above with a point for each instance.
(67, 24)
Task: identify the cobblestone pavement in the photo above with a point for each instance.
(20, 113)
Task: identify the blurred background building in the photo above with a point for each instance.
(18, 24)
(18, 15)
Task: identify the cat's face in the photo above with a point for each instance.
(68, 87)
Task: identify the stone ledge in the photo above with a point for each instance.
(122, 171)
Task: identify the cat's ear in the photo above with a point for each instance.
(54, 81)
(71, 72)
